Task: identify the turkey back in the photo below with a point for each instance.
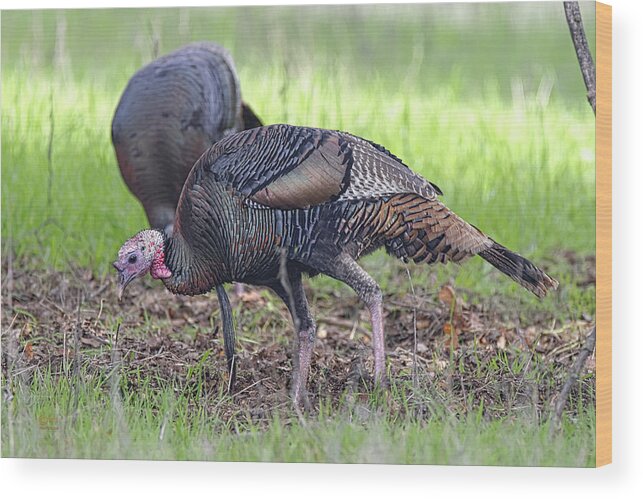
(170, 112)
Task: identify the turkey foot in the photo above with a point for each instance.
(303, 355)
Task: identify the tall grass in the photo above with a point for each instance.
(423, 45)
(483, 100)
(523, 175)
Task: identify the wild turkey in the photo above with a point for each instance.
(171, 111)
(307, 201)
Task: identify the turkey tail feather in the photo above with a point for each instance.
(519, 269)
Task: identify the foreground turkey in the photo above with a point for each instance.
(171, 111)
(313, 201)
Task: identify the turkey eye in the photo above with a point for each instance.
(132, 259)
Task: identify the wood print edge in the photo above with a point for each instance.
(603, 234)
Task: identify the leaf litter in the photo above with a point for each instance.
(467, 355)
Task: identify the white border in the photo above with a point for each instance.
(97, 479)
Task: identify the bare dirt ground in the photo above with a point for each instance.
(440, 347)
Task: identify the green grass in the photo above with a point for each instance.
(59, 417)
(400, 45)
(524, 176)
(488, 104)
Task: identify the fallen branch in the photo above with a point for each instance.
(561, 399)
(344, 323)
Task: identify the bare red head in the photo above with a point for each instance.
(143, 253)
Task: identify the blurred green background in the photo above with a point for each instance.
(480, 47)
(486, 100)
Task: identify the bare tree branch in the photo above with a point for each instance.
(575, 22)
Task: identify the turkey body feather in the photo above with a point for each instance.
(313, 194)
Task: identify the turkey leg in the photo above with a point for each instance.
(345, 269)
(295, 299)
(228, 335)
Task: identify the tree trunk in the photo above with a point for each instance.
(575, 22)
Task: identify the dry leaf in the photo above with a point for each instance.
(447, 295)
(441, 364)
(452, 332)
(423, 324)
(251, 296)
(28, 351)
(471, 322)
(91, 341)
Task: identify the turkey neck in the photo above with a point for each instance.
(197, 253)
(188, 277)
(218, 239)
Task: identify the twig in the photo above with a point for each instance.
(100, 290)
(283, 91)
(575, 22)
(13, 321)
(10, 265)
(50, 147)
(77, 336)
(114, 389)
(156, 37)
(10, 351)
(46, 302)
(415, 332)
(76, 360)
(145, 360)
(344, 323)
(49, 219)
(232, 395)
(25, 370)
(250, 386)
(429, 311)
(585, 352)
(100, 312)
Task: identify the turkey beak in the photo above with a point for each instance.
(123, 280)
(121, 288)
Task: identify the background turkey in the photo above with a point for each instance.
(171, 111)
(267, 205)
